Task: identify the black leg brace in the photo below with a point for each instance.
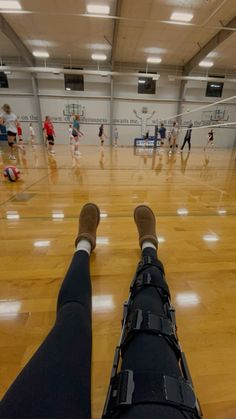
(153, 380)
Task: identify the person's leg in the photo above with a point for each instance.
(206, 146)
(151, 377)
(189, 144)
(77, 152)
(56, 381)
(21, 145)
(183, 145)
(11, 142)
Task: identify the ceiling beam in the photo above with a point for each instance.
(57, 71)
(214, 42)
(9, 32)
(115, 33)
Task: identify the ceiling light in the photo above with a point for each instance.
(206, 64)
(68, 89)
(154, 60)
(99, 57)
(98, 9)
(155, 50)
(10, 5)
(142, 81)
(181, 17)
(41, 54)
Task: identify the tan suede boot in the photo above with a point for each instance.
(146, 224)
(88, 222)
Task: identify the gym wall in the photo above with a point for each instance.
(95, 101)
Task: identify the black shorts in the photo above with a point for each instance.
(75, 133)
(50, 139)
(12, 135)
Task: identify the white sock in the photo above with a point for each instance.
(148, 244)
(84, 245)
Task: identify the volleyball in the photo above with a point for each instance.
(11, 173)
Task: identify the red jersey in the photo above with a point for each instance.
(48, 127)
(19, 130)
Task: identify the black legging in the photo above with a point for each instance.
(56, 383)
(186, 140)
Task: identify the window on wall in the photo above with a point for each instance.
(146, 85)
(214, 88)
(74, 81)
(3, 81)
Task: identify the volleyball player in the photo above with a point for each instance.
(70, 130)
(101, 135)
(20, 137)
(210, 139)
(162, 132)
(32, 134)
(174, 136)
(187, 138)
(49, 133)
(146, 139)
(116, 137)
(76, 133)
(9, 119)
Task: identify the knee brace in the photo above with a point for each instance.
(129, 388)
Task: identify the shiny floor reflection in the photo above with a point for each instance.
(194, 198)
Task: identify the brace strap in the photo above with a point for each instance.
(148, 261)
(145, 321)
(146, 279)
(129, 388)
(148, 322)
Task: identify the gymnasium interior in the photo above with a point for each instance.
(130, 65)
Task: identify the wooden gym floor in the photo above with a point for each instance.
(194, 198)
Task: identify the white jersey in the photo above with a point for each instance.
(70, 132)
(174, 132)
(9, 121)
(32, 132)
